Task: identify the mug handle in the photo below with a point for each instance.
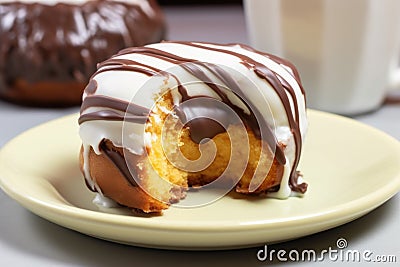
(393, 88)
(394, 80)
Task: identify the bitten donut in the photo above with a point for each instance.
(49, 48)
(161, 119)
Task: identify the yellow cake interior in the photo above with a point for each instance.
(170, 140)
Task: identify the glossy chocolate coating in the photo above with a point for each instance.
(62, 43)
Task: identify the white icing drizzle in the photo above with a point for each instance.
(284, 189)
(86, 171)
(105, 202)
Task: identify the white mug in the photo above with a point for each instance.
(347, 51)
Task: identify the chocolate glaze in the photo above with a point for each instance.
(111, 115)
(119, 161)
(197, 116)
(91, 87)
(63, 42)
(206, 128)
(127, 111)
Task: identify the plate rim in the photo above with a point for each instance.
(351, 209)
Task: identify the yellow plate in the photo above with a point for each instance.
(351, 168)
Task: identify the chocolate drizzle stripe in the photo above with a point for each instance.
(292, 93)
(194, 69)
(127, 68)
(119, 161)
(91, 88)
(124, 62)
(111, 115)
(273, 80)
(113, 103)
(155, 53)
(281, 61)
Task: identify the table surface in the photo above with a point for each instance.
(28, 240)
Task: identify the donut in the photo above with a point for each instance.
(162, 120)
(49, 48)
